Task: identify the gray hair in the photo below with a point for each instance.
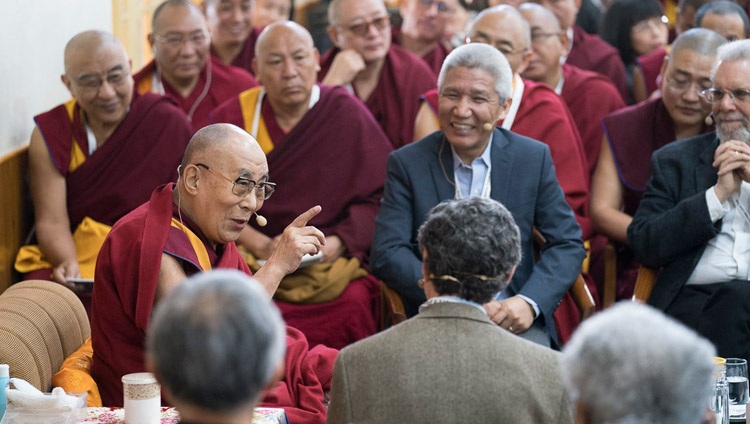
(469, 237)
(483, 57)
(731, 52)
(216, 340)
(633, 364)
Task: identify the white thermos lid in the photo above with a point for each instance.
(4, 370)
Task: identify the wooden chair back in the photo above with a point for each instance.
(15, 213)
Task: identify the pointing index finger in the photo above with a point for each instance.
(306, 216)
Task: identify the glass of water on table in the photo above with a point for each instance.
(736, 370)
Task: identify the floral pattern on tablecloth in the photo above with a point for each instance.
(117, 416)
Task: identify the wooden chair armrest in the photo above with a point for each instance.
(644, 284)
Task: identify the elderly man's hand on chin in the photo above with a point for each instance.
(513, 314)
(297, 240)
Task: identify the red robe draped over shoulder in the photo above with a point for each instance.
(590, 97)
(142, 153)
(224, 82)
(127, 275)
(592, 53)
(244, 58)
(335, 157)
(395, 101)
(433, 58)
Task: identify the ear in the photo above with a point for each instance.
(565, 40)
(191, 178)
(425, 273)
(525, 60)
(67, 83)
(254, 66)
(316, 55)
(151, 41)
(663, 70)
(333, 35)
(504, 110)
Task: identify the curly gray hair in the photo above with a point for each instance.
(467, 239)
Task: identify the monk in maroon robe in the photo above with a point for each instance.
(423, 29)
(385, 77)
(331, 124)
(588, 51)
(182, 67)
(98, 156)
(187, 228)
(232, 33)
(632, 134)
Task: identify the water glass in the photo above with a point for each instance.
(736, 371)
(719, 401)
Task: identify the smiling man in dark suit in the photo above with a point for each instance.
(470, 157)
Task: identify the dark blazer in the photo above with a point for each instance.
(420, 175)
(672, 226)
(449, 364)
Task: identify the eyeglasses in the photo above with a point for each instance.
(242, 186)
(363, 28)
(441, 6)
(92, 83)
(716, 95)
(683, 84)
(175, 40)
(654, 24)
(540, 36)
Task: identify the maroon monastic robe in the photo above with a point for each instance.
(142, 153)
(127, 276)
(335, 157)
(590, 97)
(225, 83)
(245, 57)
(395, 101)
(592, 53)
(650, 64)
(433, 58)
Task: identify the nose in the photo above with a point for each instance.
(462, 109)
(106, 90)
(692, 93)
(236, 15)
(288, 68)
(727, 102)
(251, 202)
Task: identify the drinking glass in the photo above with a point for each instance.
(736, 370)
(719, 400)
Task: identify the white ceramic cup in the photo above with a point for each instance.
(142, 398)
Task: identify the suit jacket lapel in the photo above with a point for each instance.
(705, 174)
(442, 169)
(501, 167)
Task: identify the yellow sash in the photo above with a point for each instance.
(77, 157)
(248, 100)
(88, 239)
(198, 246)
(319, 283)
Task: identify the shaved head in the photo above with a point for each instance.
(172, 3)
(551, 22)
(214, 139)
(86, 44)
(699, 40)
(279, 30)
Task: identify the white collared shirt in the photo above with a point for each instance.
(727, 255)
(473, 180)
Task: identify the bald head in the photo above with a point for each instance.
(540, 14)
(88, 44)
(282, 30)
(699, 40)
(215, 139)
(172, 3)
(504, 28)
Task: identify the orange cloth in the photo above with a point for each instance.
(75, 374)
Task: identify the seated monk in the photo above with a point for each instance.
(387, 78)
(189, 227)
(423, 29)
(182, 68)
(301, 126)
(232, 33)
(536, 112)
(95, 158)
(632, 134)
(592, 96)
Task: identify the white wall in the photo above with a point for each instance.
(33, 34)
